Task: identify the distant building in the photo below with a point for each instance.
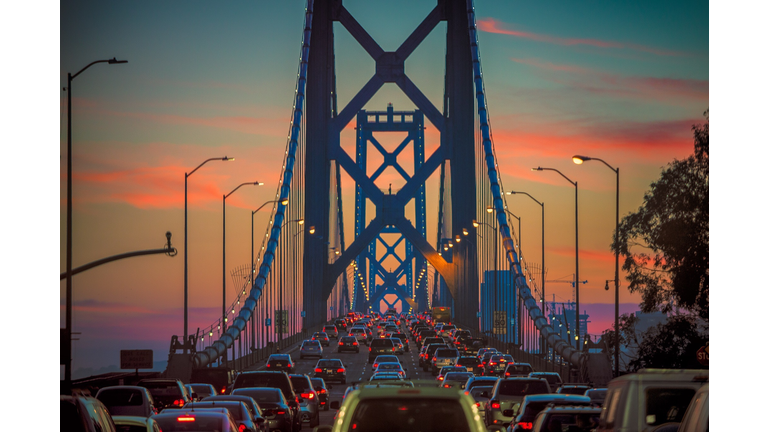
(563, 319)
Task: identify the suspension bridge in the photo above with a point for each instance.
(305, 272)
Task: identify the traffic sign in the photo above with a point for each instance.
(136, 359)
(702, 355)
(281, 321)
(499, 322)
(268, 322)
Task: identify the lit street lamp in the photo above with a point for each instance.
(68, 329)
(186, 285)
(224, 260)
(578, 160)
(576, 186)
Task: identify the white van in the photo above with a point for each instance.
(359, 334)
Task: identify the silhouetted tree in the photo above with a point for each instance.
(627, 338)
(671, 229)
(671, 345)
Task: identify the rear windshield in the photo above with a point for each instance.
(468, 361)
(573, 390)
(300, 384)
(329, 328)
(311, 343)
(234, 408)
(534, 408)
(458, 376)
(260, 395)
(519, 369)
(121, 397)
(664, 405)
(162, 389)
(551, 379)
(381, 343)
(203, 422)
(329, 363)
(348, 339)
(274, 380)
(433, 347)
(210, 376)
(522, 387)
(447, 352)
(422, 414)
(567, 421)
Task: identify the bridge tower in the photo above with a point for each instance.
(456, 151)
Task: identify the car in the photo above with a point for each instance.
(596, 395)
(378, 347)
(348, 343)
(274, 407)
(532, 405)
(318, 384)
(472, 346)
(456, 379)
(485, 359)
(399, 349)
(497, 365)
(369, 335)
(331, 331)
(133, 401)
(200, 420)
(322, 337)
(386, 376)
(570, 418)
(331, 370)
(311, 348)
(390, 367)
(445, 369)
(577, 389)
(481, 352)
(78, 412)
(221, 378)
(135, 424)
(166, 392)
(480, 394)
(198, 391)
(481, 381)
(403, 339)
(649, 398)
(280, 362)
(341, 325)
(444, 357)
(360, 334)
(507, 395)
(385, 358)
(405, 409)
(310, 403)
(240, 413)
(517, 370)
(275, 379)
(428, 351)
(469, 362)
(553, 378)
(249, 402)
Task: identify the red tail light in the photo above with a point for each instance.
(440, 378)
(268, 365)
(526, 425)
(280, 412)
(178, 402)
(354, 343)
(241, 428)
(340, 371)
(495, 405)
(318, 370)
(223, 390)
(375, 365)
(507, 374)
(369, 349)
(308, 395)
(185, 419)
(491, 363)
(322, 390)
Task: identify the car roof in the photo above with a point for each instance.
(369, 392)
(556, 396)
(573, 409)
(131, 420)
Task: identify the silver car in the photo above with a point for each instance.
(311, 348)
(444, 357)
(399, 349)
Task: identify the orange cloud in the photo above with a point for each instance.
(491, 25)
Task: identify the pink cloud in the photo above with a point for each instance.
(491, 25)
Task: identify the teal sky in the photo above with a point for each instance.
(616, 80)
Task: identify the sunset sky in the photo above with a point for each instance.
(620, 81)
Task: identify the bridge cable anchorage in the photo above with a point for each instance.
(553, 338)
(218, 348)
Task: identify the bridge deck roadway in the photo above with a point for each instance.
(357, 367)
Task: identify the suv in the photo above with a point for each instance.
(401, 409)
(166, 392)
(84, 413)
(127, 401)
(341, 325)
(565, 418)
(532, 405)
(360, 334)
(219, 377)
(444, 357)
(274, 379)
(379, 347)
(470, 362)
(331, 369)
(518, 370)
(310, 348)
(280, 362)
(331, 331)
(508, 393)
(553, 378)
(650, 397)
(310, 403)
(429, 350)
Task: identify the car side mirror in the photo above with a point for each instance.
(335, 405)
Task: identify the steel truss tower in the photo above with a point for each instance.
(323, 129)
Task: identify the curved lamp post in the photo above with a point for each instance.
(576, 186)
(186, 279)
(68, 329)
(578, 160)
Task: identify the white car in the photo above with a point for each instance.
(359, 334)
(404, 409)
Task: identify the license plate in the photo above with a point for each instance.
(278, 364)
(469, 369)
(328, 371)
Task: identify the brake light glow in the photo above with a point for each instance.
(281, 412)
(318, 370)
(322, 390)
(178, 402)
(223, 390)
(308, 395)
(269, 365)
(440, 377)
(340, 370)
(526, 425)
(507, 373)
(354, 343)
(241, 428)
(495, 405)
(375, 365)
(185, 419)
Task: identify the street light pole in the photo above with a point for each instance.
(186, 279)
(224, 259)
(68, 329)
(576, 285)
(578, 160)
